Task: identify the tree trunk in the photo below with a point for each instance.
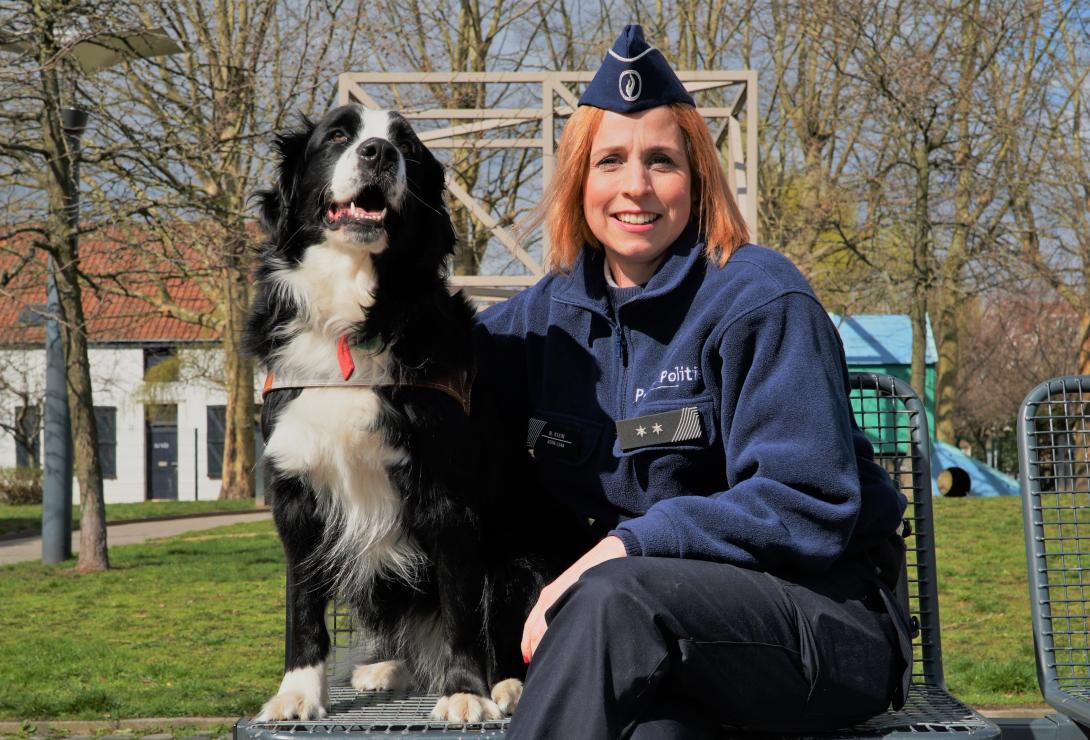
(93, 555)
(1084, 343)
(238, 452)
(921, 277)
(62, 243)
(946, 371)
(949, 325)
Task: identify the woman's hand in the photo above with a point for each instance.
(534, 630)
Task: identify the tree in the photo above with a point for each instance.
(1051, 202)
(199, 134)
(39, 156)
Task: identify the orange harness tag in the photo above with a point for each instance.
(344, 357)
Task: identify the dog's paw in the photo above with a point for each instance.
(390, 675)
(302, 695)
(506, 694)
(291, 705)
(465, 708)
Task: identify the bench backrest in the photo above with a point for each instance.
(1054, 464)
(893, 417)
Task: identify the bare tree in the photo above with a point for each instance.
(199, 134)
(40, 157)
(1051, 203)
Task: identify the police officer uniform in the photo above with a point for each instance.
(702, 418)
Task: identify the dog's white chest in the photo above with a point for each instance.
(331, 438)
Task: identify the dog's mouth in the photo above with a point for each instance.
(367, 208)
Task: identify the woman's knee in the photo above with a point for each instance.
(616, 588)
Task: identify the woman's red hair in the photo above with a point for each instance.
(720, 221)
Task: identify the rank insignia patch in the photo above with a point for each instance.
(680, 425)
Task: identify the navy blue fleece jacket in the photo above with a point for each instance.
(779, 479)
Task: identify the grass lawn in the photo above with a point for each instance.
(189, 626)
(28, 519)
(987, 637)
(193, 625)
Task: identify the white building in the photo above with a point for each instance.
(156, 383)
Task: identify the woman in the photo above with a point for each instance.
(688, 396)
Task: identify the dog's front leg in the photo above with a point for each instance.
(465, 695)
(303, 692)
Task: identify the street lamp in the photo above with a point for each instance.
(89, 55)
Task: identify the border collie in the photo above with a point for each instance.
(390, 489)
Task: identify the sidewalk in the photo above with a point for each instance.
(30, 548)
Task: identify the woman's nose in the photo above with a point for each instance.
(637, 179)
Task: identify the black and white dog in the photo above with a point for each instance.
(389, 488)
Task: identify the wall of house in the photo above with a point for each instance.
(117, 375)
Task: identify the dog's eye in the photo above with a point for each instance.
(405, 148)
(338, 137)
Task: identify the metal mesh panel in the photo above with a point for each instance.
(1054, 457)
(929, 709)
(892, 417)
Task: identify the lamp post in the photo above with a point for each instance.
(57, 479)
(89, 55)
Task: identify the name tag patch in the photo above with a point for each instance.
(680, 425)
(555, 440)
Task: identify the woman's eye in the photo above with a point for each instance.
(610, 160)
(338, 137)
(661, 160)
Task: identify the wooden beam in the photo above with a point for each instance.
(490, 222)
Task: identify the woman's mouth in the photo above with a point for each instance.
(636, 220)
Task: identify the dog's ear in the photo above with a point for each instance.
(274, 203)
(435, 190)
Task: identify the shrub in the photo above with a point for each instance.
(20, 485)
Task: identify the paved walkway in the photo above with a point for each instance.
(30, 548)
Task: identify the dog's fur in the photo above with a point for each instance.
(414, 512)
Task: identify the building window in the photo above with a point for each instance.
(106, 423)
(161, 365)
(27, 435)
(217, 423)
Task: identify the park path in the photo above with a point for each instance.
(30, 548)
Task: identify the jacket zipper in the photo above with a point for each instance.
(622, 354)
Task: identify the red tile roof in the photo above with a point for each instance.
(120, 296)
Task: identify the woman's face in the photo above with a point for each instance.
(636, 199)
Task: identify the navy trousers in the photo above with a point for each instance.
(669, 648)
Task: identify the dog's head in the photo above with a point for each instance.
(356, 178)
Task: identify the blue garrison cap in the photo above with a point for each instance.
(634, 76)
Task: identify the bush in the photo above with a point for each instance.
(20, 485)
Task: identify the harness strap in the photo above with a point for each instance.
(460, 392)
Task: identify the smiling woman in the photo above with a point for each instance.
(711, 205)
(637, 194)
(686, 395)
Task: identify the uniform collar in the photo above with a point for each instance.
(585, 286)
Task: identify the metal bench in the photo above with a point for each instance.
(1054, 464)
(893, 417)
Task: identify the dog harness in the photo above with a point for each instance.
(458, 388)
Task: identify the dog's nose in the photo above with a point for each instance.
(377, 152)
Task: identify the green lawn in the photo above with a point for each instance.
(193, 626)
(190, 626)
(987, 637)
(28, 519)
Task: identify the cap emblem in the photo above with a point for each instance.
(631, 85)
